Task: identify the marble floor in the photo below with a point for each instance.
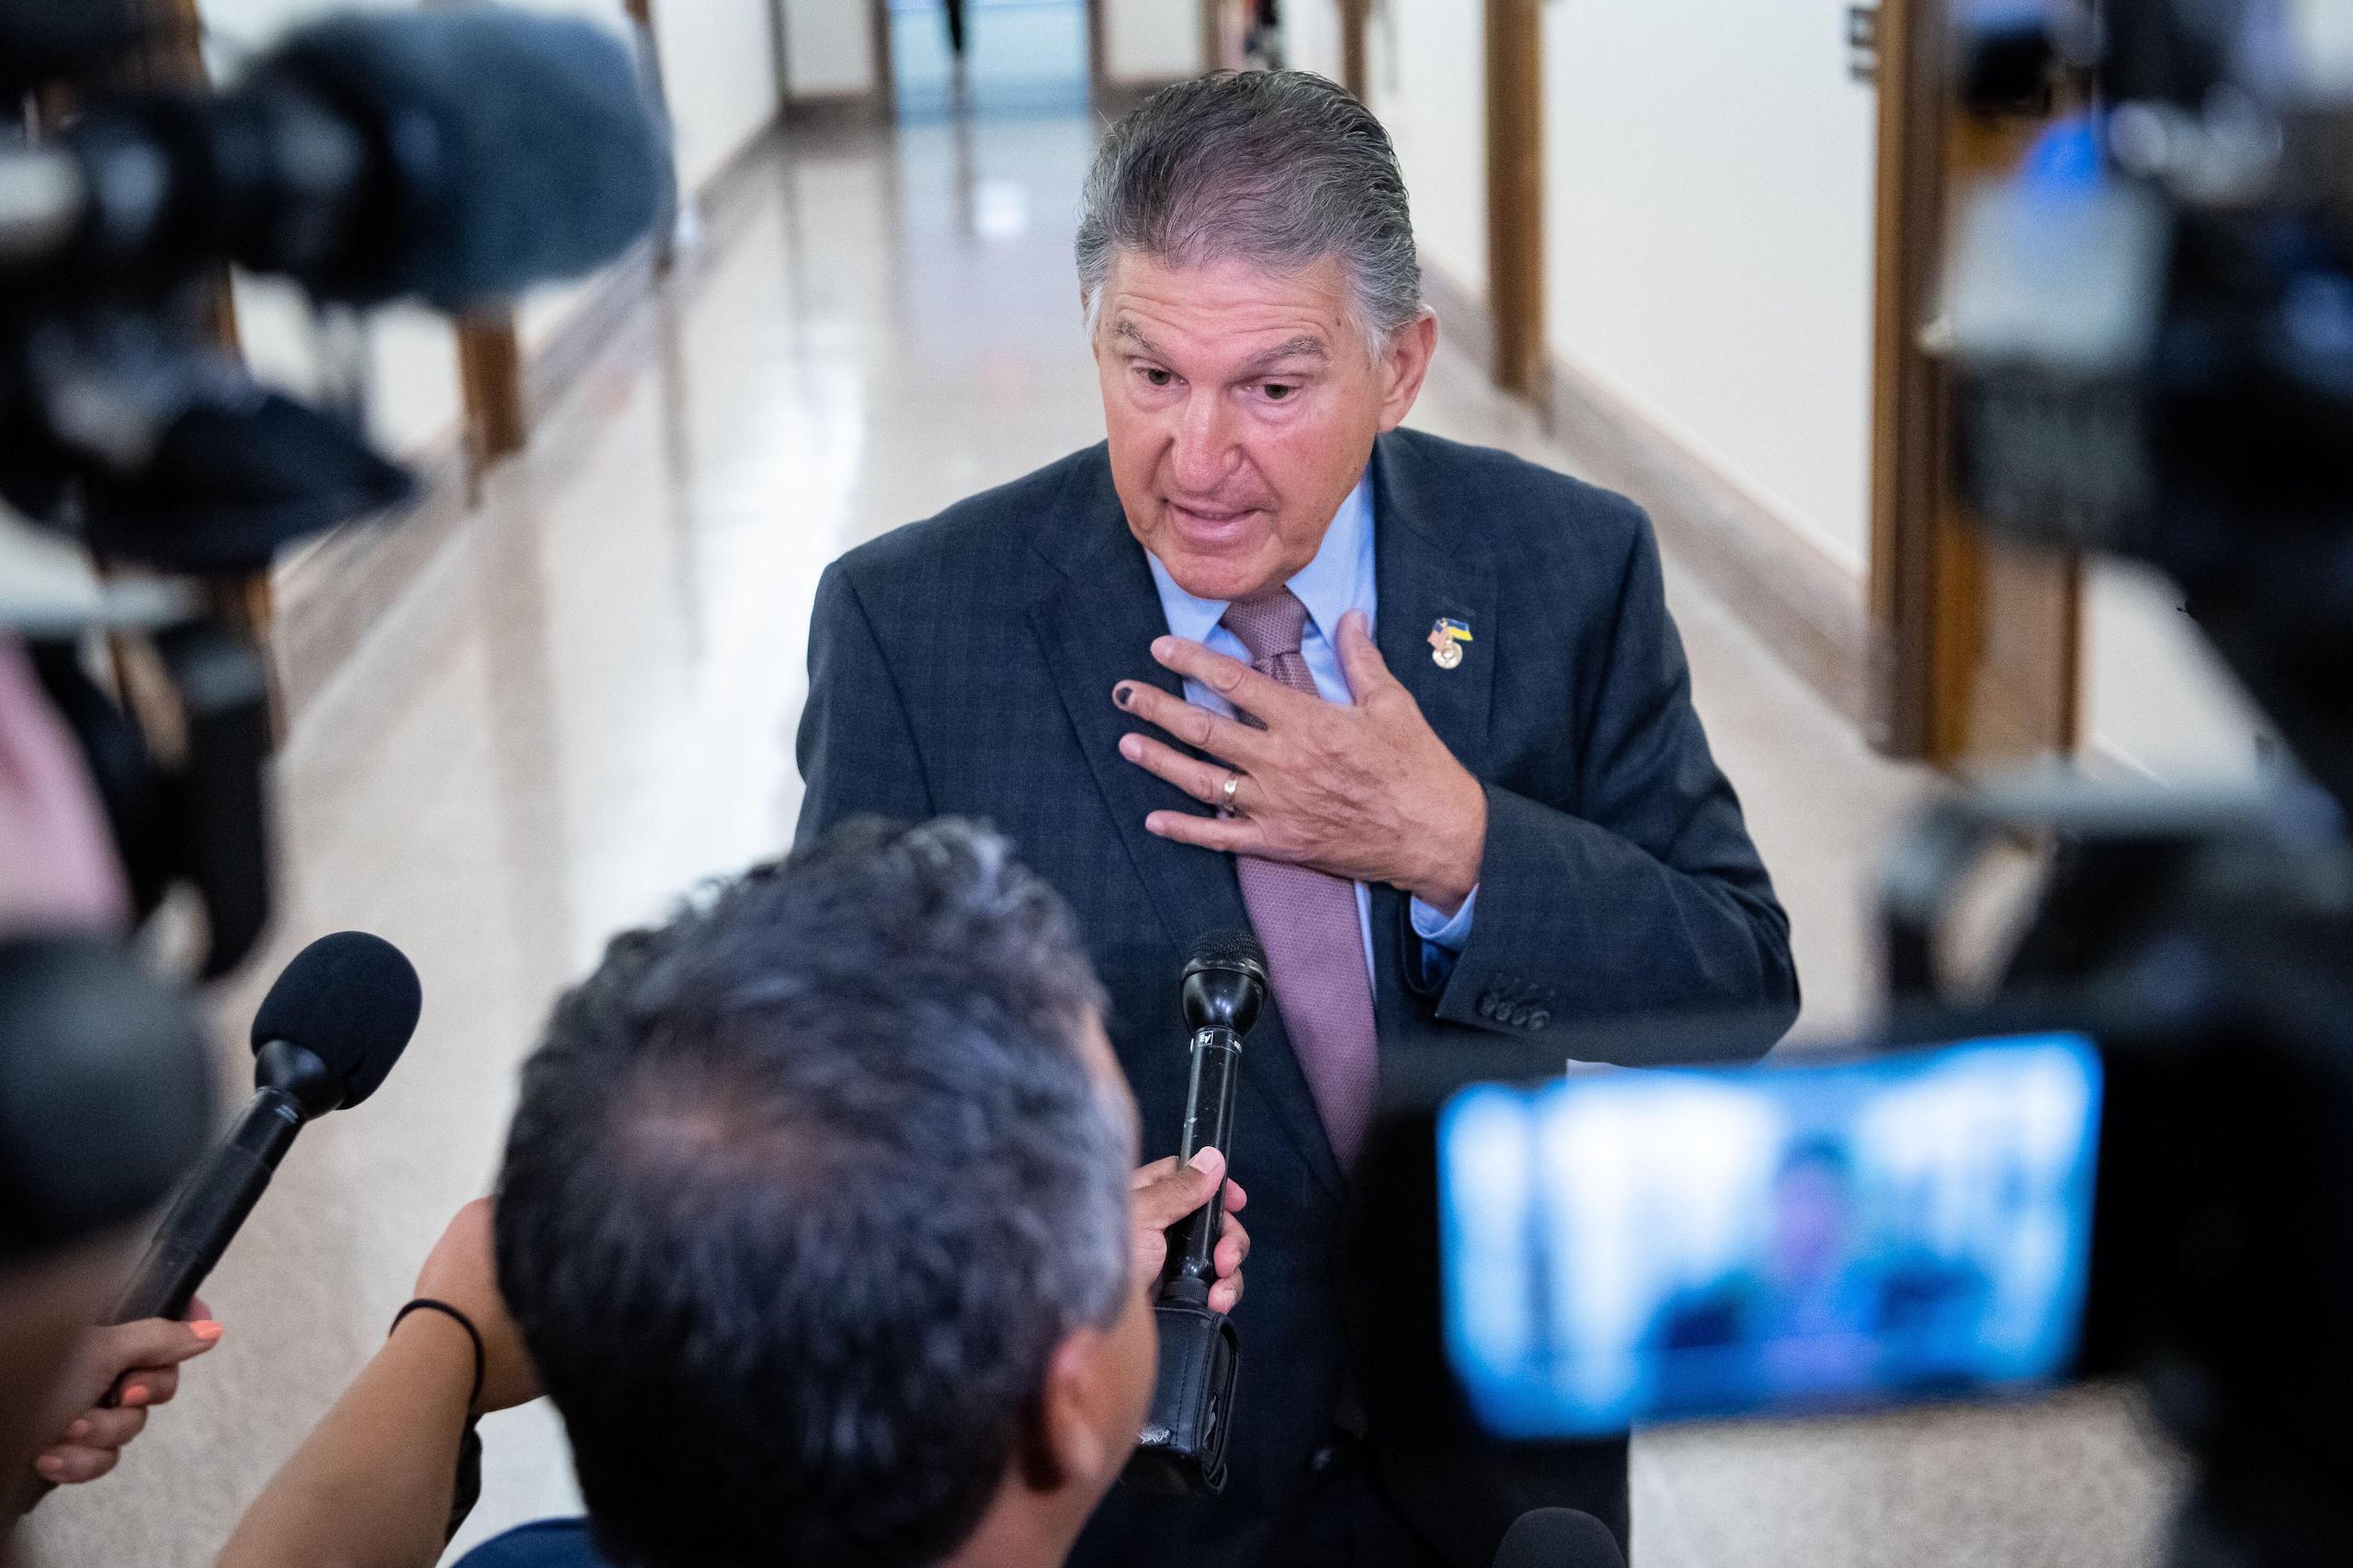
(585, 703)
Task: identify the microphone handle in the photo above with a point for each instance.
(209, 1209)
(1209, 1124)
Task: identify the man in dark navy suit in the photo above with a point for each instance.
(1413, 711)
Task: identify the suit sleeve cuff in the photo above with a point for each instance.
(1451, 933)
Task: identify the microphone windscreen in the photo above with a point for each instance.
(525, 147)
(1228, 950)
(1559, 1537)
(351, 1000)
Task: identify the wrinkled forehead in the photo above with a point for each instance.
(1228, 304)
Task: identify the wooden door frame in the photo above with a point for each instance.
(1515, 197)
(1937, 691)
(1908, 453)
(1356, 58)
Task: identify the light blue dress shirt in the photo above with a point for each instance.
(1338, 580)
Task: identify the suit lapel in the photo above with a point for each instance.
(1096, 620)
(1422, 573)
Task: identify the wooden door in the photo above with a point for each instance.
(1515, 195)
(1976, 642)
(1356, 58)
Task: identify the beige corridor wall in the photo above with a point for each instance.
(1428, 72)
(828, 48)
(1709, 199)
(1312, 37)
(718, 60)
(1152, 40)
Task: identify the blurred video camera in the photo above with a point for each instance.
(2134, 1158)
(452, 157)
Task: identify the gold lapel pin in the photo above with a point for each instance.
(1446, 641)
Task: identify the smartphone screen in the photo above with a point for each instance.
(1635, 1245)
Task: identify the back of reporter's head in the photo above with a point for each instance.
(809, 1195)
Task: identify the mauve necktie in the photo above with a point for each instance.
(1307, 920)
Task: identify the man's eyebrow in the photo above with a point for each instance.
(1305, 346)
(1128, 331)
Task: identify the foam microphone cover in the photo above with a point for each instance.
(351, 1000)
(1559, 1537)
(1228, 950)
(523, 148)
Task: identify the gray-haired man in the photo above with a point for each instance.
(1414, 710)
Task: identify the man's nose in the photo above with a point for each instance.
(1206, 452)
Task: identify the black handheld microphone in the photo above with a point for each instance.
(455, 156)
(325, 1038)
(1182, 1450)
(1559, 1537)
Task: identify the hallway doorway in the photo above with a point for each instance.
(1020, 58)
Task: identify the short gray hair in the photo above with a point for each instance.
(1277, 167)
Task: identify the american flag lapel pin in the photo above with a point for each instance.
(1446, 641)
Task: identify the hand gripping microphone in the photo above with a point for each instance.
(325, 1035)
(1182, 1451)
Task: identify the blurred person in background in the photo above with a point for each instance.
(59, 874)
(1414, 710)
(819, 1222)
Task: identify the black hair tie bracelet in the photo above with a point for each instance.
(467, 1491)
(482, 1355)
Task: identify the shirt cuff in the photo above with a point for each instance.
(1438, 930)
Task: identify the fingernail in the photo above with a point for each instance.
(1163, 646)
(79, 1430)
(1132, 747)
(1206, 1159)
(51, 1465)
(135, 1394)
(208, 1330)
(1123, 695)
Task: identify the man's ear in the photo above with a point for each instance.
(1404, 364)
(1069, 1442)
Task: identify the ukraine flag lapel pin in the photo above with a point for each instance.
(1446, 641)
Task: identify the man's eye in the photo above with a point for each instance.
(1158, 378)
(1277, 391)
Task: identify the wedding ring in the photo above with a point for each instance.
(1233, 782)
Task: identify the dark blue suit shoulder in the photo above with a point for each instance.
(971, 539)
(1529, 517)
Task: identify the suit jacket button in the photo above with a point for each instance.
(1518, 1019)
(1540, 1020)
(1320, 1461)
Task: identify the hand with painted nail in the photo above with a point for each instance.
(1167, 1191)
(137, 1363)
(1365, 790)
